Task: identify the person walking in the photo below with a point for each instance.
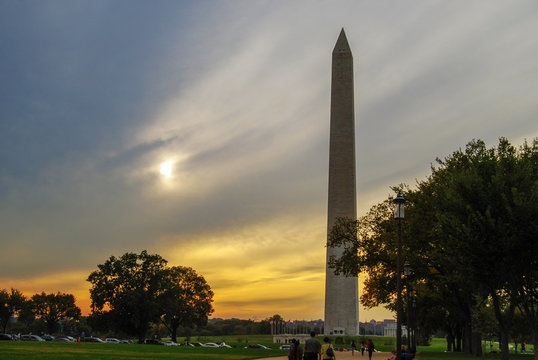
(353, 347)
(370, 347)
(362, 347)
(312, 348)
(327, 350)
(296, 351)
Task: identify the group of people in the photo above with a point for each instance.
(404, 351)
(314, 350)
(368, 347)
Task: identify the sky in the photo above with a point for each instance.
(233, 97)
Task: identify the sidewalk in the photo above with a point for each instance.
(347, 355)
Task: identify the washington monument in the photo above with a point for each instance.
(341, 293)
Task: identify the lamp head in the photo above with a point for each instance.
(399, 211)
(407, 269)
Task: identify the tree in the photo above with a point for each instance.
(26, 316)
(10, 304)
(54, 307)
(488, 202)
(465, 224)
(485, 321)
(186, 300)
(130, 287)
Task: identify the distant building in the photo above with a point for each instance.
(390, 329)
(386, 327)
(286, 338)
(284, 331)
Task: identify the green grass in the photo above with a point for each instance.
(461, 356)
(437, 348)
(29, 350)
(26, 350)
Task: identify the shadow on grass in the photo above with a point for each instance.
(435, 355)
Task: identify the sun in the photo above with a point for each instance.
(166, 169)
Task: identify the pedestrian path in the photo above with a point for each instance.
(347, 356)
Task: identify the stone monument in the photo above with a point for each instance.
(341, 292)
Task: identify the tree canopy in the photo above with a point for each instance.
(186, 300)
(470, 235)
(54, 307)
(135, 290)
(11, 302)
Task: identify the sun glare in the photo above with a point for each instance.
(166, 169)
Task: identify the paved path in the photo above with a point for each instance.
(347, 355)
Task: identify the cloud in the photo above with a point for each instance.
(236, 95)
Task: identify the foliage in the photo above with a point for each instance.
(235, 327)
(339, 340)
(11, 303)
(130, 287)
(465, 225)
(186, 300)
(54, 307)
(136, 290)
(484, 320)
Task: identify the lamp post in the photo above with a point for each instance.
(407, 274)
(399, 214)
(413, 293)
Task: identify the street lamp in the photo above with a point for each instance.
(407, 274)
(413, 294)
(399, 214)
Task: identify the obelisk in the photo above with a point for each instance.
(341, 292)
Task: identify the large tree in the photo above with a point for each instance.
(11, 302)
(129, 288)
(54, 307)
(488, 201)
(465, 226)
(186, 300)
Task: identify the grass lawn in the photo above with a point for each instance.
(29, 350)
(461, 356)
(436, 351)
(26, 350)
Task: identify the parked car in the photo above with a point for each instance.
(153, 342)
(5, 337)
(126, 342)
(210, 345)
(93, 339)
(284, 347)
(195, 344)
(225, 346)
(47, 337)
(170, 343)
(63, 339)
(29, 337)
(257, 346)
(112, 341)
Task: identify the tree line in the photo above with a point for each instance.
(50, 309)
(129, 295)
(470, 235)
